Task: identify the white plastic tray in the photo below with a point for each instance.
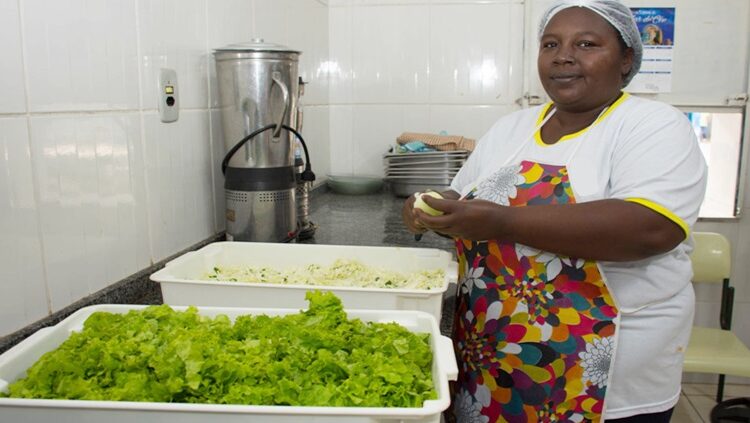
(14, 362)
(181, 282)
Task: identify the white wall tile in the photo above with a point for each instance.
(91, 201)
(390, 59)
(13, 99)
(218, 150)
(270, 20)
(707, 292)
(173, 35)
(23, 295)
(308, 33)
(229, 22)
(316, 132)
(340, 66)
(698, 378)
(81, 55)
(342, 140)
(179, 183)
(740, 318)
(415, 118)
(468, 121)
(375, 129)
(476, 54)
(707, 313)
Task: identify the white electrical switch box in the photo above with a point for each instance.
(169, 104)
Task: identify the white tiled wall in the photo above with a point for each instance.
(178, 155)
(13, 99)
(419, 66)
(173, 34)
(316, 121)
(477, 64)
(390, 54)
(93, 186)
(22, 286)
(92, 206)
(80, 55)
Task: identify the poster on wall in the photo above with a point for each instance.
(656, 25)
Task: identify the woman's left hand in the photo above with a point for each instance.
(475, 220)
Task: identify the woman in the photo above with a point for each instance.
(572, 225)
(651, 35)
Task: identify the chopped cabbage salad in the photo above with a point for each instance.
(351, 273)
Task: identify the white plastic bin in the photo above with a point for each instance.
(15, 362)
(183, 283)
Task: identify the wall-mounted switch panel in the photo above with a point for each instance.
(169, 105)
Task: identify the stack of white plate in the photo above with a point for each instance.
(408, 173)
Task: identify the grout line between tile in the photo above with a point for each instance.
(695, 409)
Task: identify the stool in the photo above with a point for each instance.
(733, 410)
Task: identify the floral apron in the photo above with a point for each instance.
(534, 332)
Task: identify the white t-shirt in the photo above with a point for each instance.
(637, 150)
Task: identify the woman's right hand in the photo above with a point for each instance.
(410, 218)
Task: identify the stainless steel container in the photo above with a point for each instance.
(258, 86)
(408, 173)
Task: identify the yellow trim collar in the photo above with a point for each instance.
(662, 211)
(545, 109)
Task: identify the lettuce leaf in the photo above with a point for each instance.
(317, 357)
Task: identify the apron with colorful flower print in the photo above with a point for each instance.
(534, 332)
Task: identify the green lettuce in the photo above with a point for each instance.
(317, 357)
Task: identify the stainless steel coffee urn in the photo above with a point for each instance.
(259, 90)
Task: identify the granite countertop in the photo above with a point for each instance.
(367, 220)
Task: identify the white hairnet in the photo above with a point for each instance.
(614, 12)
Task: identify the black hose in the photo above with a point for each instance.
(307, 174)
(230, 153)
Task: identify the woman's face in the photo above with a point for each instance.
(581, 62)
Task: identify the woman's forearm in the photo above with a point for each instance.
(610, 230)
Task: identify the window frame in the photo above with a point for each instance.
(739, 195)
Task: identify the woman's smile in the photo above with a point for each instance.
(565, 78)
